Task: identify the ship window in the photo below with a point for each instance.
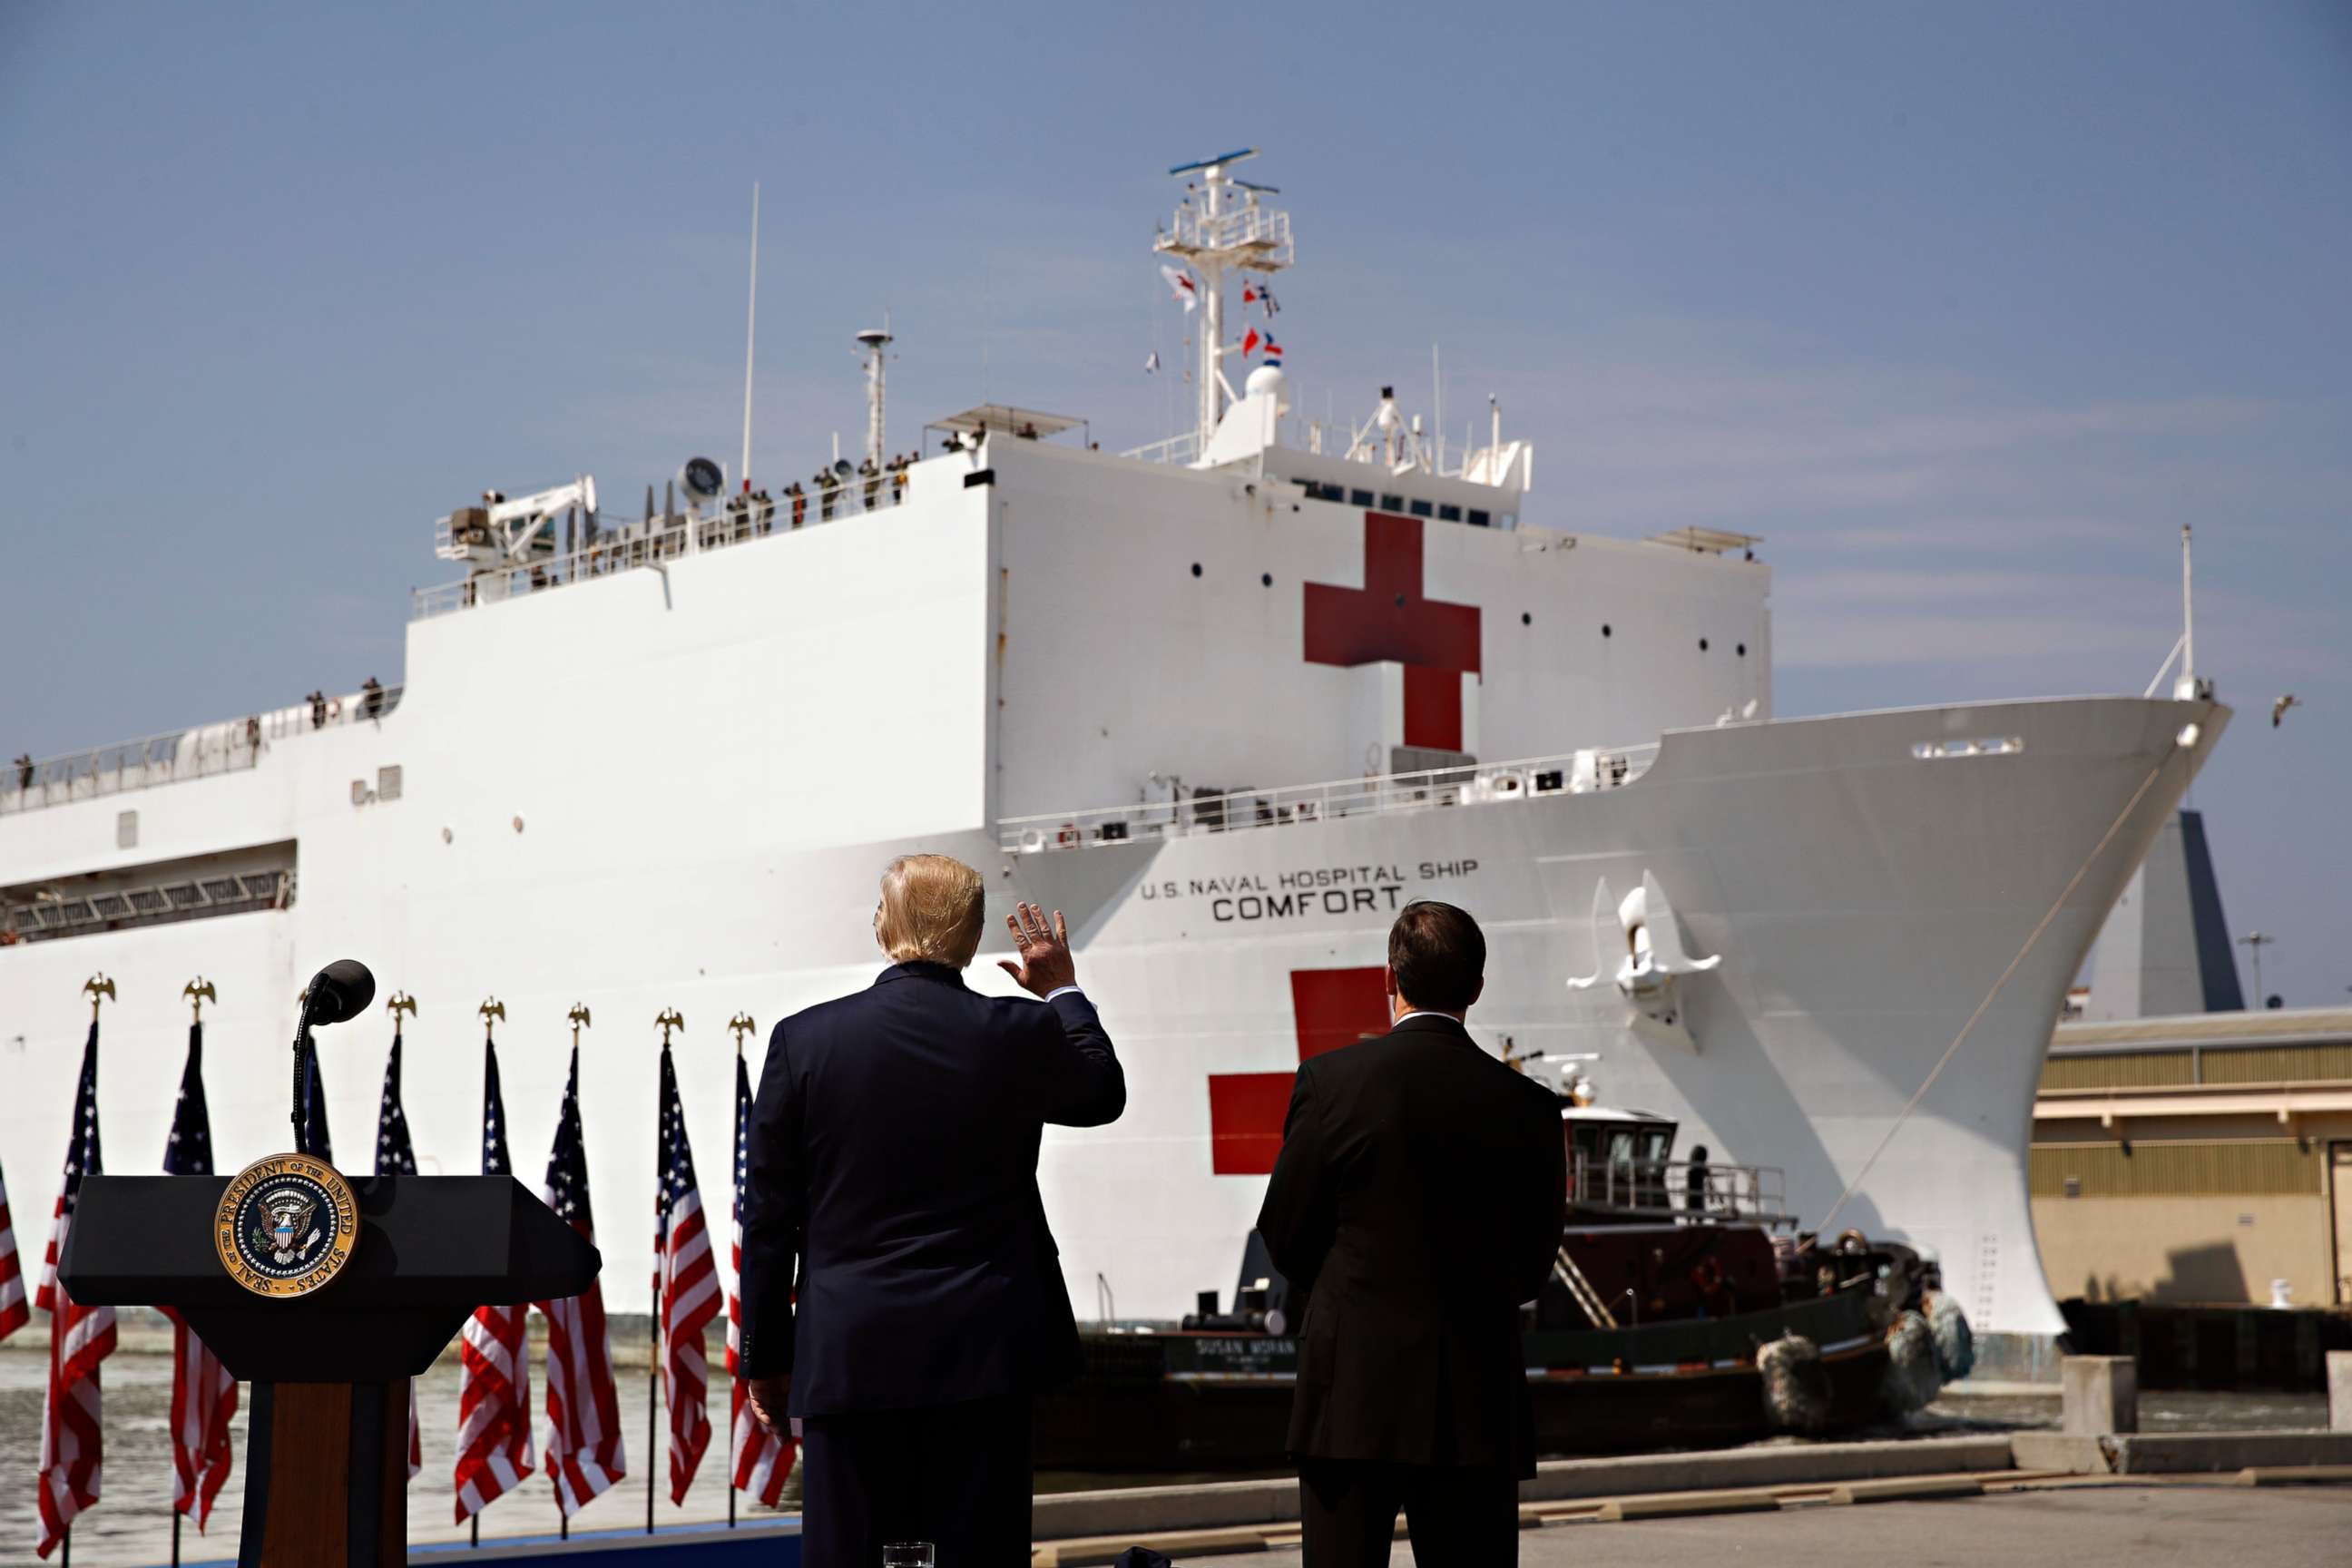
(1604, 629)
(1392, 503)
(1449, 514)
(1422, 509)
(1478, 518)
(1360, 498)
(126, 830)
(1741, 650)
(387, 782)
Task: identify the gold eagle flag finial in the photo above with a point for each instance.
(493, 1012)
(743, 1024)
(198, 992)
(671, 1018)
(96, 987)
(399, 1002)
(579, 1020)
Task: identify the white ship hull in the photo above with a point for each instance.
(1866, 902)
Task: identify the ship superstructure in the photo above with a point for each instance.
(1228, 701)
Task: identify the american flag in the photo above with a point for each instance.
(79, 1338)
(204, 1394)
(583, 1411)
(15, 1310)
(396, 1156)
(688, 1295)
(494, 1397)
(763, 1458)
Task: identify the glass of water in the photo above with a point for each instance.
(909, 1555)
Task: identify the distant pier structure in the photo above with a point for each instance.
(2204, 1157)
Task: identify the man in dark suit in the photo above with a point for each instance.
(1418, 1201)
(893, 1177)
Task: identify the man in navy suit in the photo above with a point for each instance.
(893, 1183)
(1418, 1201)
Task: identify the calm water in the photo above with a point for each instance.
(130, 1526)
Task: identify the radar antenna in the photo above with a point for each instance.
(1219, 230)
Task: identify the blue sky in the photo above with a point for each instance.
(1966, 310)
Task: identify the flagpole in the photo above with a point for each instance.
(579, 1016)
(740, 1025)
(96, 987)
(751, 337)
(670, 1018)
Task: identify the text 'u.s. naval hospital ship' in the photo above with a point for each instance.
(659, 763)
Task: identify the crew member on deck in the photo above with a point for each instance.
(1695, 1183)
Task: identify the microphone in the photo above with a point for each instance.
(342, 991)
(339, 992)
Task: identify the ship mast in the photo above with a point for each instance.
(1219, 229)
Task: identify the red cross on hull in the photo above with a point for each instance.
(1388, 618)
(1333, 1007)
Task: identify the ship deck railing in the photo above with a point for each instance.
(1184, 815)
(618, 544)
(1676, 1190)
(1433, 454)
(177, 755)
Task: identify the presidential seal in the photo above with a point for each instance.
(286, 1226)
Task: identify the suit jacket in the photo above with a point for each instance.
(893, 1173)
(1418, 1199)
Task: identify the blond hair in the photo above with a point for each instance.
(931, 911)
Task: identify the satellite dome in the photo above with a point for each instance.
(1267, 380)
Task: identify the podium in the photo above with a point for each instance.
(326, 1463)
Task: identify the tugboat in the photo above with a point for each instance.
(1685, 1308)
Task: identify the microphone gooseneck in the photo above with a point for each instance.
(338, 992)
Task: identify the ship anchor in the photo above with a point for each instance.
(1653, 962)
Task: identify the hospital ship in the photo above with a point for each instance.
(1229, 701)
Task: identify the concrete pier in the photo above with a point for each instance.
(2100, 1394)
(2105, 1526)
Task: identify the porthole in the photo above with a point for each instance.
(1604, 628)
(1741, 650)
(1196, 569)
(1526, 620)
(1267, 578)
(1702, 644)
